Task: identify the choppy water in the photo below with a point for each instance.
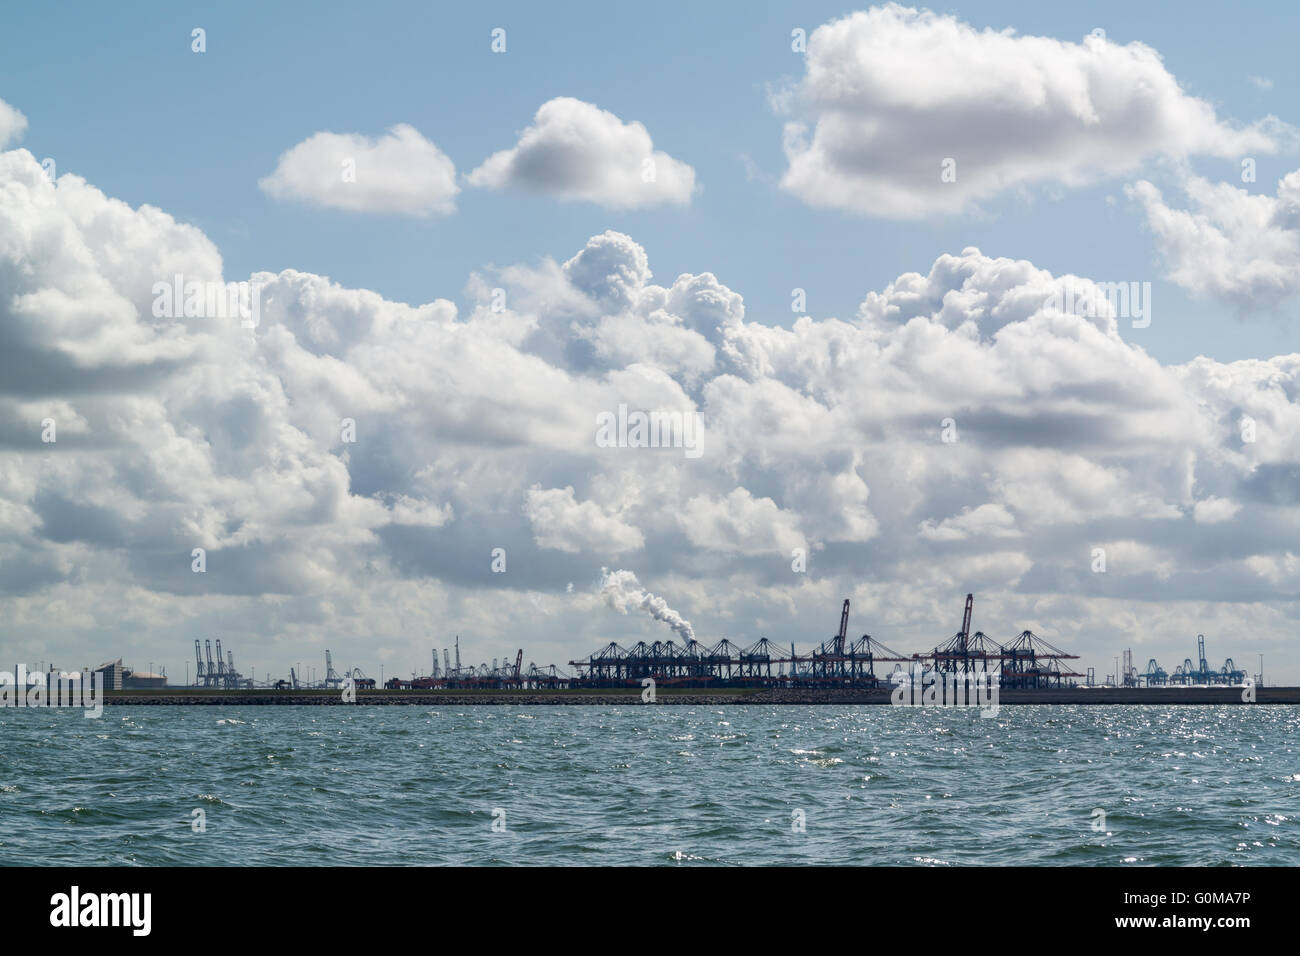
(657, 785)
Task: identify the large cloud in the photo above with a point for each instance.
(575, 150)
(893, 93)
(1231, 244)
(352, 464)
(561, 522)
(399, 173)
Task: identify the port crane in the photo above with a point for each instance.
(844, 627)
(332, 680)
(839, 659)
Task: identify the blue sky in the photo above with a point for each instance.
(115, 95)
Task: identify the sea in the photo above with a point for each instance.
(651, 785)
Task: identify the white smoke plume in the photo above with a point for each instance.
(622, 592)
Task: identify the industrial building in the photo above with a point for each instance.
(117, 677)
(1025, 661)
(142, 680)
(1185, 674)
(112, 674)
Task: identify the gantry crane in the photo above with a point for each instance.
(332, 680)
(211, 674)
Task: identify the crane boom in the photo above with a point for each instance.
(844, 628)
(965, 620)
(332, 679)
(519, 662)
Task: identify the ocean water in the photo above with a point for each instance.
(651, 785)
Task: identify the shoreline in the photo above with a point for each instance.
(746, 696)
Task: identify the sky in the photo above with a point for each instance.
(942, 193)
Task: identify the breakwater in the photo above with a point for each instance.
(701, 698)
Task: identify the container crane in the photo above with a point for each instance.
(331, 678)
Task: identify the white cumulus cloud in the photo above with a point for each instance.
(1234, 245)
(577, 151)
(892, 93)
(1215, 510)
(561, 522)
(12, 124)
(399, 173)
(474, 430)
(985, 521)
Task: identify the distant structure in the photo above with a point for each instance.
(117, 677)
(142, 680)
(1026, 661)
(113, 673)
(332, 680)
(219, 674)
(1154, 675)
(1130, 672)
(1185, 674)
